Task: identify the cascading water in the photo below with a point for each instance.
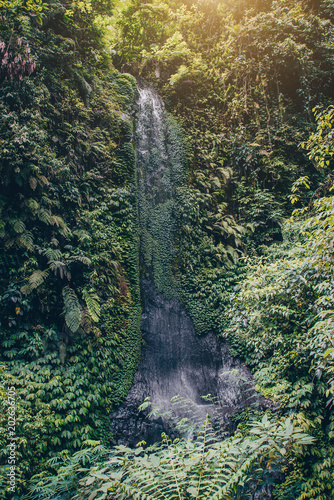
(160, 168)
(174, 361)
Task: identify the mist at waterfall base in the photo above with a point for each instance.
(174, 360)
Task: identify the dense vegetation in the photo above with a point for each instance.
(242, 79)
(70, 305)
(204, 467)
(250, 84)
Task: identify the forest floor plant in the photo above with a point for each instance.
(203, 466)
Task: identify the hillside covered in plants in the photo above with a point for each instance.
(245, 241)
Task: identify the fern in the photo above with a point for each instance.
(63, 485)
(59, 222)
(19, 226)
(206, 468)
(52, 254)
(72, 310)
(53, 220)
(86, 320)
(26, 240)
(32, 205)
(33, 183)
(54, 242)
(65, 231)
(93, 305)
(43, 181)
(47, 201)
(61, 267)
(56, 220)
(82, 259)
(37, 278)
(44, 216)
(9, 243)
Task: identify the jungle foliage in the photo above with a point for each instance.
(281, 321)
(250, 85)
(201, 467)
(241, 78)
(70, 304)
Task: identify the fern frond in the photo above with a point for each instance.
(81, 258)
(33, 183)
(54, 242)
(86, 320)
(18, 226)
(43, 181)
(37, 278)
(65, 231)
(26, 289)
(9, 243)
(26, 240)
(52, 254)
(44, 216)
(116, 265)
(56, 220)
(32, 205)
(47, 201)
(72, 310)
(92, 302)
(56, 265)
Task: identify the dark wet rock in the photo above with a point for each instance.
(176, 361)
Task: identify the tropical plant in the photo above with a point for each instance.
(69, 290)
(281, 320)
(203, 467)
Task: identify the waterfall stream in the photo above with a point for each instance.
(174, 360)
(160, 168)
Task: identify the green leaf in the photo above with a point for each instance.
(92, 302)
(72, 310)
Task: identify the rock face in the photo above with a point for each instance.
(176, 361)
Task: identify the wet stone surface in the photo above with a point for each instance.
(176, 361)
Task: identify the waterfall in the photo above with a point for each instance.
(160, 167)
(174, 360)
